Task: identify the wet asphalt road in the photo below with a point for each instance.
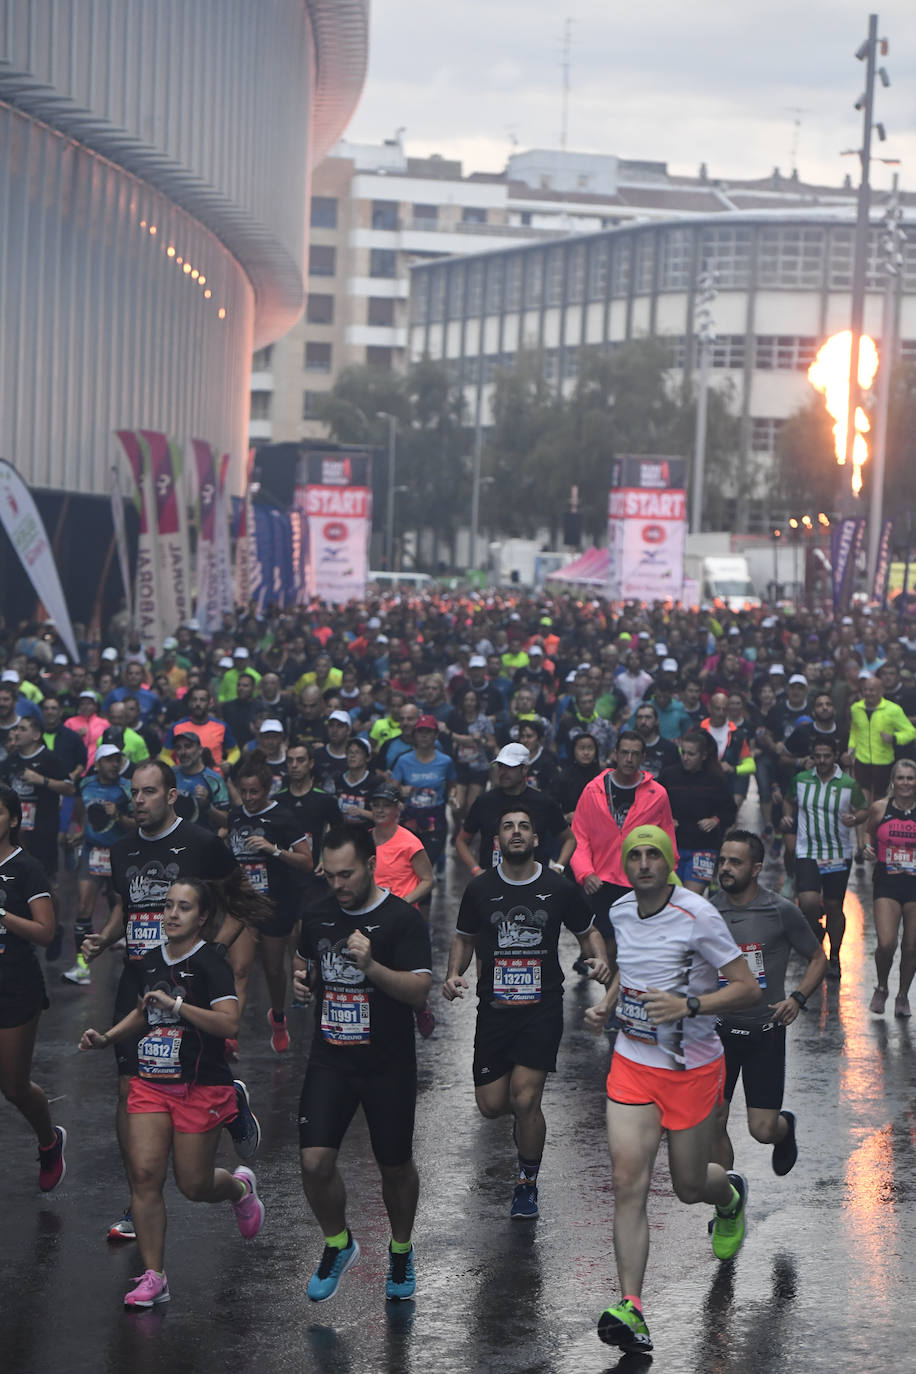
(823, 1281)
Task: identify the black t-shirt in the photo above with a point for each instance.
(67, 746)
(40, 805)
(622, 798)
(171, 1050)
(804, 737)
(542, 771)
(314, 812)
(143, 870)
(355, 794)
(664, 753)
(271, 877)
(484, 815)
(21, 879)
(782, 720)
(329, 769)
(695, 797)
(357, 1026)
(516, 931)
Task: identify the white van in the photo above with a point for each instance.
(391, 581)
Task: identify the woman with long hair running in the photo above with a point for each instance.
(702, 806)
(182, 1093)
(26, 920)
(891, 831)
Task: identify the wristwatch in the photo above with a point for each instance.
(693, 1006)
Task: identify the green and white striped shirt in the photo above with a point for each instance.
(821, 833)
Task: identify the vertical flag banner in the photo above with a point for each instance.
(20, 518)
(879, 591)
(208, 607)
(244, 541)
(334, 493)
(647, 528)
(180, 488)
(845, 540)
(222, 548)
(120, 531)
(173, 583)
(147, 606)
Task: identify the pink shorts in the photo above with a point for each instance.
(684, 1098)
(195, 1108)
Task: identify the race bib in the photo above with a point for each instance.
(144, 932)
(831, 866)
(704, 864)
(424, 797)
(99, 862)
(898, 860)
(753, 957)
(28, 816)
(634, 1017)
(345, 1018)
(257, 876)
(158, 1054)
(516, 980)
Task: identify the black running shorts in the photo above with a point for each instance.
(831, 886)
(759, 1057)
(527, 1036)
(897, 887)
(387, 1095)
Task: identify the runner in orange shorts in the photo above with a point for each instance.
(678, 968)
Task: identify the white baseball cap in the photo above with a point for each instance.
(513, 755)
(274, 726)
(337, 715)
(111, 654)
(107, 751)
(225, 662)
(10, 675)
(240, 652)
(477, 661)
(798, 677)
(669, 665)
(777, 668)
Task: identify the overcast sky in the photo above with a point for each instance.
(714, 81)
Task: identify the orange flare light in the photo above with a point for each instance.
(829, 374)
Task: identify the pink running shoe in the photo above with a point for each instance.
(249, 1213)
(51, 1163)
(152, 1288)
(279, 1035)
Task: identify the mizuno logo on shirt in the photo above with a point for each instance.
(372, 927)
(180, 850)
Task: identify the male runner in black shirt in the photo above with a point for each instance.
(484, 816)
(370, 959)
(511, 916)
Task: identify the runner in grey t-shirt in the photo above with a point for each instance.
(767, 928)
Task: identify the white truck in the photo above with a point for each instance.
(724, 577)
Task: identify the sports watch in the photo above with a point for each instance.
(693, 1006)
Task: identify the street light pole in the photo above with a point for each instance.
(893, 259)
(705, 335)
(389, 509)
(866, 102)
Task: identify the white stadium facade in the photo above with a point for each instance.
(154, 174)
(783, 282)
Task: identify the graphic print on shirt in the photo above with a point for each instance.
(147, 888)
(345, 1011)
(517, 978)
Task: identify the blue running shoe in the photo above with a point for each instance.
(401, 1282)
(331, 1269)
(524, 1202)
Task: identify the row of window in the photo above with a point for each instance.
(651, 259)
(383, 262)
(384, 214)
(769, 352)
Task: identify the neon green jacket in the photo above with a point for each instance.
(865, 731)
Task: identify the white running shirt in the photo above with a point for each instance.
(681, 950)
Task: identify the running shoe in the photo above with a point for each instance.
(728, 1227)
(833, 969)
(279, 1035)
(785, 1153)
(878, 1001)
(624, 1326)
(249, 1212)
(401, 1282)
(79, 973)
(524, 1202)
(51, 1163)
(333, 1265)
(426, 1021)
(245, 1129)
(902, 1007)
(151, 1289)
(123, 1229)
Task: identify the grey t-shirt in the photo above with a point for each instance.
(767, 930)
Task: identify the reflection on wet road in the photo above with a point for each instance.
(822, 1282)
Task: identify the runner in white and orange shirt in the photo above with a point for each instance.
(667, 1072)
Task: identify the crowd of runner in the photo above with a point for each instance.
(289, 791)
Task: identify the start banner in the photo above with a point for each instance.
(336, 504)
(647, 529)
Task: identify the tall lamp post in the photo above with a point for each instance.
(389, 503)
(705, 331)
(892, 243)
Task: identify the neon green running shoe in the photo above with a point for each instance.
(728, 1228)
(625, 1327)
